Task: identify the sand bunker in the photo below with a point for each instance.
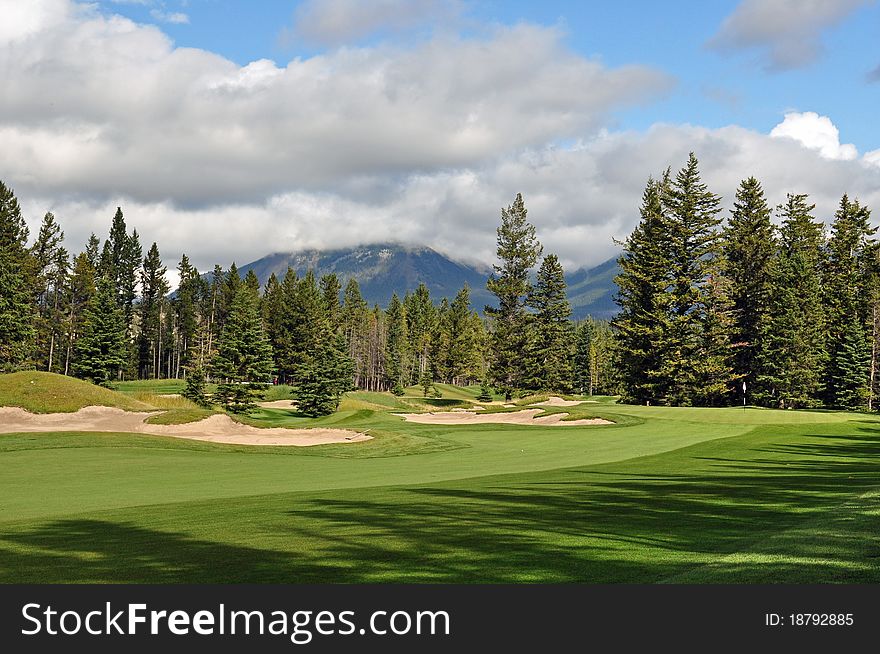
(558, 401)
(278, 404)
(524, 417)
(218, 428)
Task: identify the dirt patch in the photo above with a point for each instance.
(218, 428)
(524, 417)
(558, 401)
(170, 395)
(278, 404)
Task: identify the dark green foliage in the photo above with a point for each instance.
(518, 251)
(396, 350)
(485, 392)
(101, 349)
(550, 355)
(398, 390)
(645, 301)
(243, 362)
(324, 375)
(749, 248)
(153, 290)
(16, 309)
(793, 353)
(851, 366)
(195, 389)
(849, 265)
(676, 316)
(426, 381)
(330, 287)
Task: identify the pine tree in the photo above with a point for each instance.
(354, 318)
(551, 352)
(330, 287)
(848, 266)
(101, 348)
(16, 310)
(518, 251)
(195, 389)
(793, 353)
(396, 346)
(593, 361)
(421, 322)
(252, 284)
(93, 251)
(851, 364)
(324, 375)
(749, 248)
(645, 301)
(243, 361)
(186, 310)
(50, 269)
(697, 367)
(78, 294)
(485, 392)
(154, 287)
(464, 360)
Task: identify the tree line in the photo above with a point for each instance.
(711, 314)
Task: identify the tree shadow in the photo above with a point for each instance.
(802, 511)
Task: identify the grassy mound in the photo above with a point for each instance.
(46, 392)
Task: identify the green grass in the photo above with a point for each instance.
(43, 392)
(663, 496)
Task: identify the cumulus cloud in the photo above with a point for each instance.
(97, 104)
(334, 22)
(788, 33)
(815, 132)
(423, 144)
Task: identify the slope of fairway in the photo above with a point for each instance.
(790, 503)
(46, 392)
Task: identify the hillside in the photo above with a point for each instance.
(46, 392)
(384, 268)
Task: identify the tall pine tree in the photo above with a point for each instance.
(16, 309)
(551, 352)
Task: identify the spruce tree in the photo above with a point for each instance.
(518, 251)
(101, 348)
(848, 268)
(78, 294)
(50, 269)
(421, 318)
(16, 309)
(154, 287)
(396, 346)
(645, 300)
(851, 367)
(697, 366)
(749, 248)
(243, 361)
(551, 351)
(195, 389)
(330, 287)
(792, 357)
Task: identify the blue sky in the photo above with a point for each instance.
(713, 89)
(230, 129)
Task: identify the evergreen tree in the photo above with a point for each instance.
(851, 364)
(518, 251)
(49, 275)
(485, 392)
(78, 294)
(645, 301)
(355, 322)
(396, 345)
(697, 367)
(195, 389)
(252, 284)
(273, 317)
(848, 268)
(324, 375)
(243, 361)
(93, 251)
(593, 361)
(330, 287)
(551, 352)
(186, 309)
(749, 248)
(101, 348)
(463, 361)
(154, 287)
(421, 323)
(793, 353)
(16, 310)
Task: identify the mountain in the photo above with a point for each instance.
(591, 290)
(384, 268)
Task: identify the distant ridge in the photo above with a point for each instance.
(385, 268)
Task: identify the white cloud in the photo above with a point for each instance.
(99, 105)
(423, 144)
(815, 132)
(173, 17)
(788, 33)
(334, 22)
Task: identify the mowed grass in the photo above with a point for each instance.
(664, 496)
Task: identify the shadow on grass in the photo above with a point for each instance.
(792, 512)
